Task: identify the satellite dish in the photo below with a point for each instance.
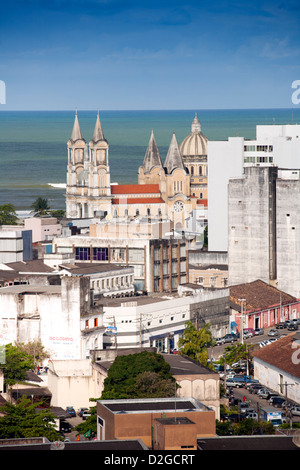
(57, 445)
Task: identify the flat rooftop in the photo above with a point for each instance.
(138, 299)
(152, 405)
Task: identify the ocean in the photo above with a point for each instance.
(33, 144)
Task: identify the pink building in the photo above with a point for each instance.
(43, 228)
(261, 305)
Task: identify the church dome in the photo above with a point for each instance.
(195, 144)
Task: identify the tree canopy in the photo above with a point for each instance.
(237, 352)
(8, 215)
(140, 375)
(194, 343)
(16, 364)
(40, 207)
(25, 419)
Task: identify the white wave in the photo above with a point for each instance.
(57, 185)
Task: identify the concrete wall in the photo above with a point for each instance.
(252, 226)
(288, 241)
(271, 377)
(51, 314)
(71, 383)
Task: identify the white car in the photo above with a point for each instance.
(295, 410)
(263, 392)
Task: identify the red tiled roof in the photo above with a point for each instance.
(282, 354)
(134, 188)
(259, 295)
(202, 202)
(138, 200)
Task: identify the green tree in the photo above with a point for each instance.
(237, 352)
(8, 215)
(245, 427)
(16, 364)
(35, 349)
(129, 377)
(194, 343)
(58, 213)
(249, 426)
(22, 420)
(40, 207)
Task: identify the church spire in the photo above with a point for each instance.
(173, 158)
(196, 126)
(76, 133)
(98, 131)
(152, 156)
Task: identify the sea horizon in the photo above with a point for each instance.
(33, 143)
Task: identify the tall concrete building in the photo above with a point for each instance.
(274, 145)
(264, 218)
(252, 226)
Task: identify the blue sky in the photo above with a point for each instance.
(125, 54)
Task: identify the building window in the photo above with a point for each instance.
(100, 254)
(82, 254)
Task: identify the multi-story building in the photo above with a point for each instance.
(263, 208)
(160, 263)
(55, 315)
(275, 145)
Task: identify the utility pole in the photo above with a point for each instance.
(286, 385)
(242, 319)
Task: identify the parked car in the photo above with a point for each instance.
(280, 325)
(273, 333)
(271, 396)
(71, 411)
(263, 393)
(244, 407)
(292, 326)
(277, 401)
(229, 338)
(259, 331)
(248, 332)
(264, 343)
(81, 411)
(86, 414)
(287, 323)
(253, 388)
(65, 426)
(251, 414)
(235, 383)
(295, 410)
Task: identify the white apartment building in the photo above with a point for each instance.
(158, 320)
(275, 145)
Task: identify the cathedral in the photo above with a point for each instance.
(175, 189)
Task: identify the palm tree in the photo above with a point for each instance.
(40, 207)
